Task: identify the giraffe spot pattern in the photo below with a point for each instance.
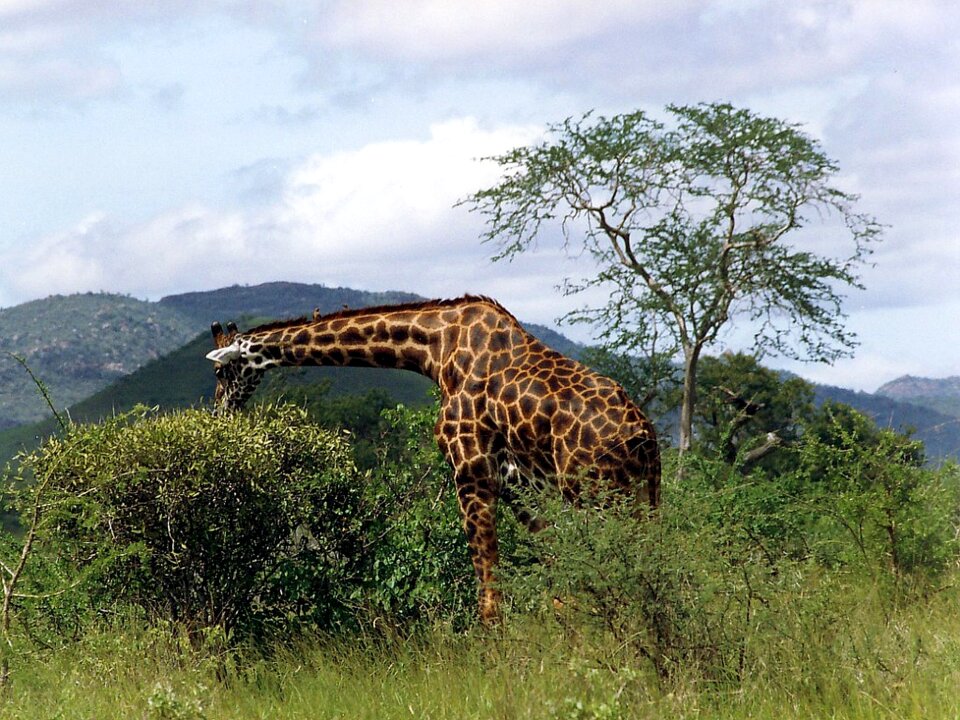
(513, 412)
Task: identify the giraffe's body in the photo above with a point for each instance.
(512, 411)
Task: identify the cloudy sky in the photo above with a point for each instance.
(152, 148)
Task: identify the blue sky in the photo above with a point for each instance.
(152, 148)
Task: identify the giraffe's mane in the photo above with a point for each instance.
(374, 309)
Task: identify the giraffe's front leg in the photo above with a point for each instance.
(470, 452)
(477, 495)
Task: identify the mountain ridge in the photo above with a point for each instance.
(274, 300)
(907, 386)
(940, 394)
(939, 431)
(79, 344)
(163, 361)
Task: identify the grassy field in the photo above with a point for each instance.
(899, 662)
(829, 591)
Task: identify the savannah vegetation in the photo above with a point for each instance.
(304, 559)
(190, 566)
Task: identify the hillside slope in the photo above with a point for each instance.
(277, 300)
(940, 394)
(78, 344)
(940, 432)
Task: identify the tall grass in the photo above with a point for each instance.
(829, 590)
(886, 662)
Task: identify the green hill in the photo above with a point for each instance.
(274, 300)
(79, 344)
(939, 432)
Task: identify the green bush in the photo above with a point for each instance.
(244, 524)
(230, 521)
(660, 587)
(876, 503)
(850, 495)
(420, 568)
(734, 571)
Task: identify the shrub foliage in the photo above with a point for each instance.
(205, 520)
(257, 524)
(253, 524)
(736, 567)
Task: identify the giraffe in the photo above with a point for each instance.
(513, 412)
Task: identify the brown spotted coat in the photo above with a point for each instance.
(513, 412)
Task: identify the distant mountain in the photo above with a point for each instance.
(275, 300)
(78, 344)
(184, 378)
(939, 431)
(908, 387)
(940, 394)
(100, 353)
(287, 299)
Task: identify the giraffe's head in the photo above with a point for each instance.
(238, 370)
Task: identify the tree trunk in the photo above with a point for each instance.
(691, 356)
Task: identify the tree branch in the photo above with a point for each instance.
(771, 443)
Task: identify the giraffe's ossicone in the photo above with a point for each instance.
(513, 412)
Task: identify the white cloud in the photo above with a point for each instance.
(628, 49)
(55, 51)
(49, 79)
(445, 30)
(379, 217)
(65, 262)
(386, 195)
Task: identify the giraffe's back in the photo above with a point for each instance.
(562, 420)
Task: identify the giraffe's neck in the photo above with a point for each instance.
(448, 341)
(402, 339)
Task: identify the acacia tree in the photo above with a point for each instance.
(690, 226)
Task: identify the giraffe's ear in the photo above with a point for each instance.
(224, 354)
